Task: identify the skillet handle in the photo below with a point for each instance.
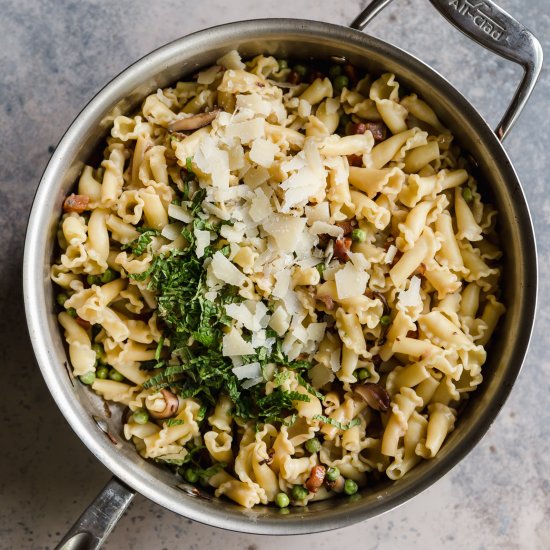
(92, 528)
(490, 26)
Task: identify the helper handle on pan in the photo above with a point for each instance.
(92, 528)
(487, 24)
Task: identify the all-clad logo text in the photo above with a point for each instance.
(479, 17)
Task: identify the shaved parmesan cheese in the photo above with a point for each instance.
(304, 245)
(316, 331)
(233, 233)
(247, 131)
(202, 240)
(172, 231)
(234, 344)
(321, 228)
(255, 176)
(280, 321)
(242, 315)
(300, 187)
(213, 161)
(252, 370)
(350, 282)
(411, 297)
(320, 212)
(359, 261)
(236, 156)
(258, 339)
(231, 60)
(254, 103)
(390, 254)
(179, 213)
(225, 271)
(253, 382)
(285, 230)
(260, 207)
(263, 152)
(282, 278)
(297, 162)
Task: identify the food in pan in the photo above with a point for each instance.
(286, 273)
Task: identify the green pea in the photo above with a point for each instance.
(299, 492)
(300, 69)
(99, 352)
(282, 500)
(115, 375)
(108, 276)
(102, 373)
(72, 312)
(141, 416)
(332, 474)
(362, 374)
(359, 235)
(340, 82)
(350, 487)
(467, 194)
(334, 71)
(283, 64)
(88, 378)
(92, 280)
(191, 475)
(313, 445)
(385, 320)
(61, 298)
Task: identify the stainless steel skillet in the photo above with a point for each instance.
(482, 21)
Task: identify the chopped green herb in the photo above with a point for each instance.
(139, 246)
(174, 422)
(335, 423)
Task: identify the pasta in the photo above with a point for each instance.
(286, 275)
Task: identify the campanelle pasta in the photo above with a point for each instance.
(287, 275)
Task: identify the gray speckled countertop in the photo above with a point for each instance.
(54, 56)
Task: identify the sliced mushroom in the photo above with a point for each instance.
(375, 395)
(171, 406)
(316, 478)
(193, 122)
